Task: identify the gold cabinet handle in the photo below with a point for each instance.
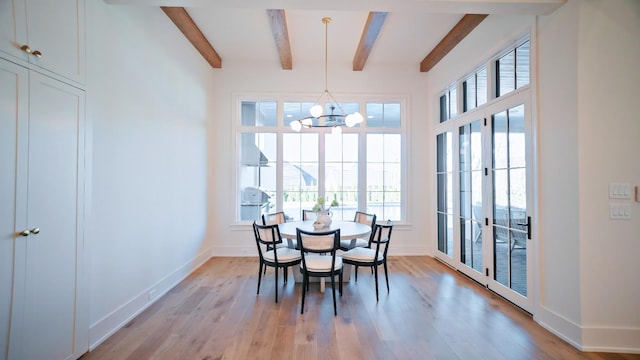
(24, 233)
(37, 53)
(26, 49)
(34, 231)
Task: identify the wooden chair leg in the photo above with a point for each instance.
(333, 291)
(304, 286)
(276, 272)
(259, 278)
(375, 272)
(386, 274)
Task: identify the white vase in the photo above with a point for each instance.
(324, 216)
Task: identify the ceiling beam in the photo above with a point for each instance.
(183, 21)
(451, 40)
(280, 33)
(375, 20)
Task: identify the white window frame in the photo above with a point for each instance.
(282, 128)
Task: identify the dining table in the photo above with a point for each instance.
(349, 230)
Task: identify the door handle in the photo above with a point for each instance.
(29, 232)
(528, 225)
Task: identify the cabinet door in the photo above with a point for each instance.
(13, 32)
(13, 120)
(56, 29)
(47, 300)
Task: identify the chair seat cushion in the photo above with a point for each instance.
(285, 255)
(361, 254)
(321, 263)
(346, 244)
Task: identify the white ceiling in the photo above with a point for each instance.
(239, 30)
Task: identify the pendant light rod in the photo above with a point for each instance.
(326, 21)
(332, 120)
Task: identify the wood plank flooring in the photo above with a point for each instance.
(431, 312)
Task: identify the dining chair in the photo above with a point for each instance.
(312, 245)
(274, 218)
(308, 214)
(374, 256)
(362, 218)
(277, 218)
(267, 239)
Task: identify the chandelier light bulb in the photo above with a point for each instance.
(316, 110)
(306, 122)
(350, 120)
(336, 130)
(358, 117)
(295, 125)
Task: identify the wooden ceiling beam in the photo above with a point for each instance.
(451, 40)
(372, 28)
(183, 21)
(280, 33)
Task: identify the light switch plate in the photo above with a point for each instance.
(620, 191)
(620, 211)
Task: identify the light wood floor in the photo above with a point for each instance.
(432, 312)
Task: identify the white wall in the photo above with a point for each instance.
(587, 137)
(308, 79)
(609, 147)
(148, 106)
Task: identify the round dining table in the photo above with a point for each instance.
(349, 230)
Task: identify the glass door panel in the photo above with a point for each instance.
(510, 224)
(470, 173)
(445, 193)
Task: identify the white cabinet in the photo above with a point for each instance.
(43, 306)
(44, 35)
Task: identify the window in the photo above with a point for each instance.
(383, 175)
(444, 173)
(448, 104)
(474, 90)
(257, 173)
(283, 170)
(512, 70)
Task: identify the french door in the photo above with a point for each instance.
(485, 197)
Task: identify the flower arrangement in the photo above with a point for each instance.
(319, 206)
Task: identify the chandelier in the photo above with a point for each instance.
(334, 119)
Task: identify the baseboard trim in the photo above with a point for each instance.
(108, 325)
